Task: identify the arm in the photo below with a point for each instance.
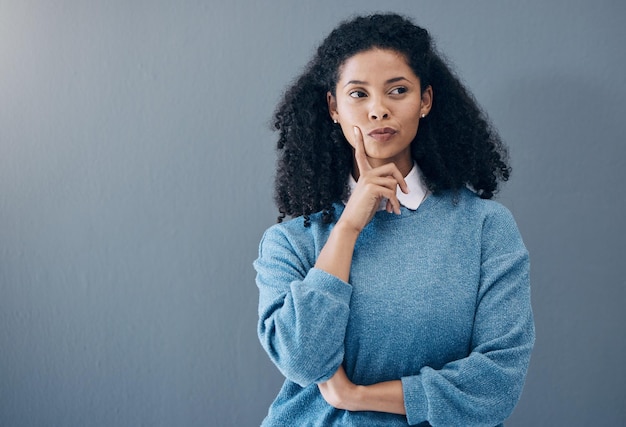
(336, 258)
(373, 185)
(341, 393)
(303, 311)
(482, 388)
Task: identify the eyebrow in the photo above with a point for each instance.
(361, 82)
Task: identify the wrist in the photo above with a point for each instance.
(350, 398)
(385, 396)
(346, 229)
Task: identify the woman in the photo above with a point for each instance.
(399, 293)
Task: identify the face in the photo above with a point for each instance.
(379, 93)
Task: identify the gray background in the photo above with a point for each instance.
(136, 169)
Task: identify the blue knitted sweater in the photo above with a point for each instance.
(437, 297)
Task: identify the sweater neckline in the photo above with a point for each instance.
(382, 215)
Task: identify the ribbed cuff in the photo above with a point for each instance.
(415, 402)
(330, 285)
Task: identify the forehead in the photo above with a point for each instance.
(375, 64)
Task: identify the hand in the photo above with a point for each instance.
(373, 185)
(338, 390)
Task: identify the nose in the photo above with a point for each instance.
(378, 110)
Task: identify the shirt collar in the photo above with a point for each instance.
(417, 190)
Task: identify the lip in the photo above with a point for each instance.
(383, 134)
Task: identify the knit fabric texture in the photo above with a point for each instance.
(438, 298)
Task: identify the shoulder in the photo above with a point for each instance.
(493, 221)
(487, 207)
(293, 236)
(499, 229)
(468, 204)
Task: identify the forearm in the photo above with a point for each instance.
(342, 393)
(302, 317)
(381, 397)
(336, 256)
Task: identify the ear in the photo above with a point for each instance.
(427, 100)
(332, 106)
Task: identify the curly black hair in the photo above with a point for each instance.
(455, 145)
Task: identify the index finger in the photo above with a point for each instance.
(359, 151)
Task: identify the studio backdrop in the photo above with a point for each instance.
(136, 175)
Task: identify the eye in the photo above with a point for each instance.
(399, 90)
(357, 94)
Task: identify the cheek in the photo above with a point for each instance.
(411, 129)
(350, 116)
(415, 129)
(412, 120)
(348, 133)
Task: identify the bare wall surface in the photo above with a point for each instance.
(136, 167)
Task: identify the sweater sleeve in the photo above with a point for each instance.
(303, 311)
(483, 388)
